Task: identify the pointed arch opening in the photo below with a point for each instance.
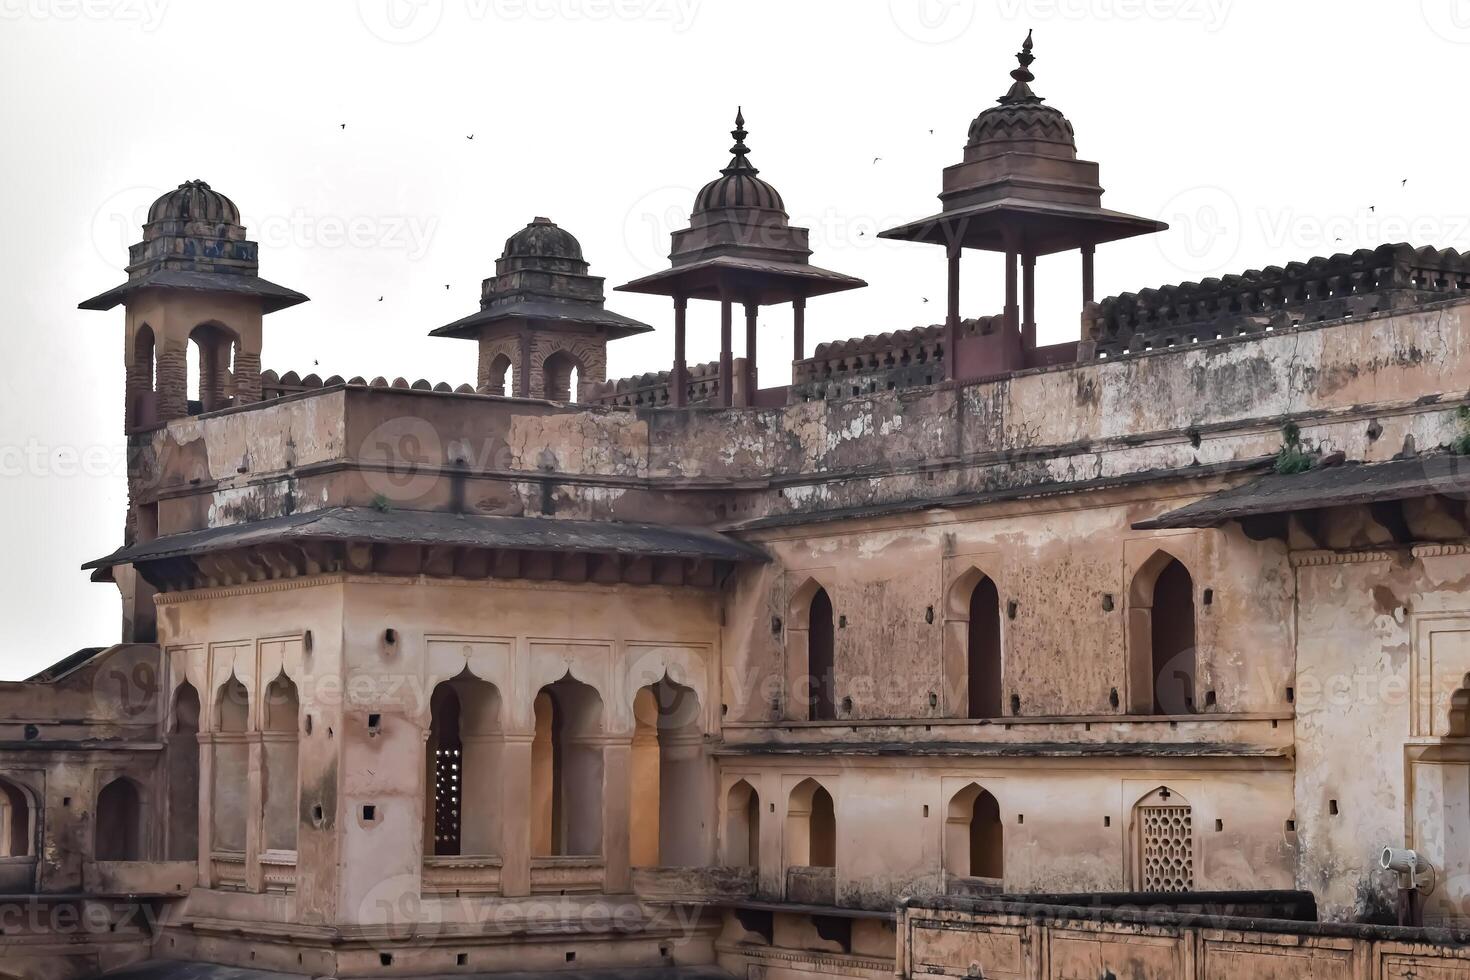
(742, 826)
(974, 841)
(142, 407)
(183, 775)
(560, 376)
(210, 379)
(811, 845)
(1459, 711)
(118, 824)
(279, 759)
(463, 769)
(501, 379)
(567, 770)
(1162, 835)
(1161, 638)
(668, 769)
(229, 803)
(17, 821)
(811, 671)
(983, 666)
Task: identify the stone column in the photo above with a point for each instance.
(679, 378)
(617, 753)
(247, 377)
(173, 378)
(515, 814)
(752, 322)
(206, 822)
(1028, 300)
(798, 328)
(952, 315)
(254, 815)
(727, 374)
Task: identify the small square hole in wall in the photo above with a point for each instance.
(842, 622)
(66, 801)
(1291, 695)
(926, 810)
(1108, 604)
(385, 959)
(1291, 826)
(1012, 608)
(1107, 821)
(1332, 807)
(369, 812)
(1209, 699)
(1020, 818)
(571, 957)
(375, 723)
(1219, 826)
(1209, 597)
(664, 949)
(461, 959)
(773, 808)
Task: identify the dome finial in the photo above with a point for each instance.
(740, 161)
(1021, 89)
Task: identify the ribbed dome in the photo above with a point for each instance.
(193, 200)
(738, 186)
(542, 238)
(1021, 116)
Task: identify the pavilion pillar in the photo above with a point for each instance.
(952, 316)
(1012, 308)
(679, 379)
(1088, 253)
(752, 319)
(1028, 301)
(515, 815)
(727, 386)
(798, 328)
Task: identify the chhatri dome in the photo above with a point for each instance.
(738, 186)
(1021, 120)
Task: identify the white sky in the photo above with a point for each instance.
(1263, 130)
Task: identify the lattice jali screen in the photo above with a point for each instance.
(1166, 848)
(447, 795)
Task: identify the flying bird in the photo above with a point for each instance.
(876, 159)
(380, 299)
(344, 125)
(470, 137)
(1405, 183)
(1373, 208)
(925, 298)
(446, 285)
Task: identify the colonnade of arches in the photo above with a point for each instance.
(666, 771)
(206, 371)
(1160, 841)
(562, 377)
(1161, 646)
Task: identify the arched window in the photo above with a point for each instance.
(566, 770)
(279, 760)
(119, 822)
(210, 381)
(974, 845)
(821, 659)
(142, 407)
(560, 375)
(742, 826)
(983, 651)
(501, 379)
(462, 761)
(1459, 716)
(1163, 843)
(667, 768)
(811, 827)
(16, 829)
(1161, 638)
(183, 776)
(230, 792)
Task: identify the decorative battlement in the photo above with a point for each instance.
(1368, 281)
(885, 362)
(273, 385)
(653, 390)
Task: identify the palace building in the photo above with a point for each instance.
(958, 655)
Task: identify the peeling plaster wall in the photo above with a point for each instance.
(1385, 642)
